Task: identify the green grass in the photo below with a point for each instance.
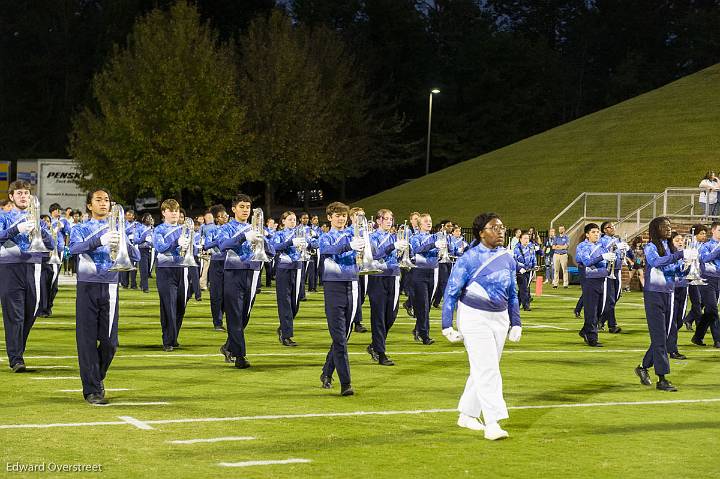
(667, 137)
(550, 366)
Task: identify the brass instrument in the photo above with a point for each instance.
(119, 254)
(54, 256)
(443, 254)
(364, 259)
(611, 267)
(300, 234)
(202, 253)
(258, 247)
(35, 236)
(187, 253)
(404, 235)
(693, 276)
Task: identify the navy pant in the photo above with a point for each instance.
(443, 275)
(658, 311)
(96, 332)
(679, 303)
(194, 277)
(693, 316)
(422, 283)
(216, 276)
(313, 272)
(19, 287)
(270, 271)
(144, 266)
(709, 297)
(362, 291)
(384, 294)
(287, 291)
(341, 300)
(49, 278)
(523, 281)
(128, 278)
(303, 278)
(612, 294)
(239, 295)
(172, 284)
(592, 290)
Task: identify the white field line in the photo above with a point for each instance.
(350, 414)
(156, 403)
(214, 439)
(50, 367)
(56, 378)
(263, 463)
(135, 422)
(80, 390)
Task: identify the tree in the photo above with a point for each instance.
(166, 115)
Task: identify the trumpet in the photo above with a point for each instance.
(258, 248)
(690, 242)
(300, 233)
(188, 232)
(404, 234)
(203, 254)
(443, 254)
(364, 259)
(611, 266)
(54, 256)
(35, 236)
(119, 254)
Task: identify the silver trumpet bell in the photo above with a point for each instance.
(119, 255)
(404, 234)
(35, 236)
(443, 254)
(54, 256)
(187, 253)
(366, 263)
(693, 276)
(300, 233)
(611, 266)
(258, 247)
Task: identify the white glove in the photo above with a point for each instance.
(609, 256)
(148, 239)
(183, 242)
(357, 244)
(452, 335)
(690, 254)
(251, 236)
(441, 244)
(25, 227)
(523, 271)
(110, 238)
(299, 242)
(131, 237)
(515, 333)
(401, 245)
(624, 247)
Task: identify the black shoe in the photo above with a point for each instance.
(594, 343)
(146, 290)
(577, 314)
(566, 287)
(167, 348)
(677, 355)
(665, 385)
(584, 336)
(18, 367)
(415, 335)
(372, 353)
(326, 381)
(96, 398)
(303, 299)
(409, 309)
(346, 390)
(554, 287)
(384, 360)
(697, 341)
(241, 362)
(226, 352)
(717, 344)
(527, 309)
(279, 334)
(133, 287)
(642, 373)
(176, 344)
(428, 341)
(359, 328)
(436, 306)
(198, 299)
(689, 326)
(219, 328)
(288, 342)
(102, 388)
(614, 330)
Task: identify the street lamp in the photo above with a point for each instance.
(427, 157)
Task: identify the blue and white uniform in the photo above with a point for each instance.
(216, 272)
(613, 287)
(20, 273)
(482, 289)
(525, 259)
(710, 292)
(457, 246)
(129, 278)
(288, 280)
(424, 281)
(594, 269)
(97, 303)
(383, 288)
(143, 239)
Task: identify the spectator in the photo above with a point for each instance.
(708, 193)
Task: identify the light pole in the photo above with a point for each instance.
(427, 157)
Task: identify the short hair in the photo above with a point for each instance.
(605, 224)
(182, 212)
(170, 204)
(68, 208)
(414, 213)
(355, 209)
(215, 210)
(480, 222)
(525, 233)
(241, 198)
(54, 207)
(590, 226)
(304, 213)
(699, 228)
(131, 211)
(89, 197)
(425, 215)
(337, 207)
(19, 185)
(146, 217)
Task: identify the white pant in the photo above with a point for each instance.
(484, 334)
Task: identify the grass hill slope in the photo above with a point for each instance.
(667, 137)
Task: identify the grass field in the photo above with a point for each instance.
(574, 411)
(666, 137)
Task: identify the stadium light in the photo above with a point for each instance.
(434, 91)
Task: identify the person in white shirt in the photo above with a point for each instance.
(709, 187)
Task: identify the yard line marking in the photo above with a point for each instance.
(55, 377)
(136, 422)
(355, 413)
(263, 463)
(155, 403)
(80, 390)
(214, 439)
(49, 367)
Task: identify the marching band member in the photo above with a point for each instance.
(443, 268)
(424, 276)
(129, 278)
(241, 277)
(710, 292)
(172, 277)
(144, 241)
(679, 304)
(613, 286)
(524, 255)
(97, 302)
(51, 272)
(362, 281)
(20, 273)
(340, 272)
(314, 232)
(406, 276)
(193, 271)
(457, 245)
(288, 275)
(270, 266)
(482, 288)
(592, 257)
(216, 270)
(304, 220)
(693, 316)
(662, 267)
(384, 288)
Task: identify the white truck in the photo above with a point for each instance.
(53, 181)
